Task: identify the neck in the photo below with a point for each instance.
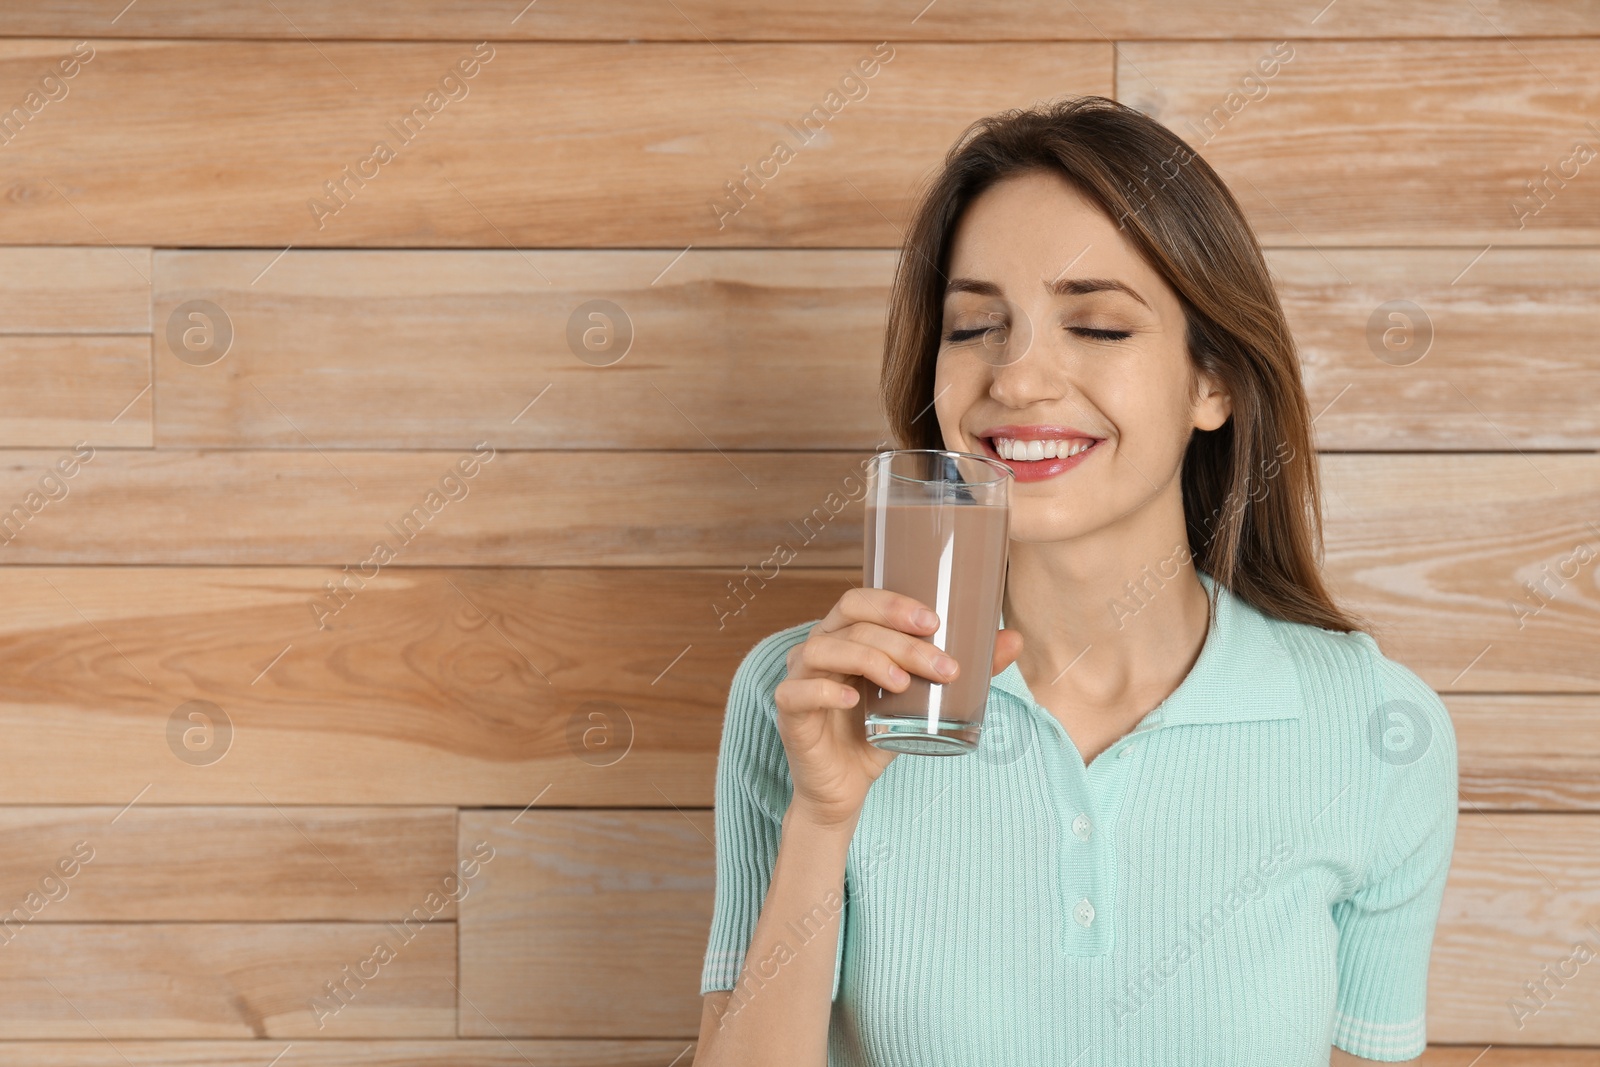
(1112, 620)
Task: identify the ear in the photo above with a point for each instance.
(1213, 405)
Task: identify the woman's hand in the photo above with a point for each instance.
(872, 635)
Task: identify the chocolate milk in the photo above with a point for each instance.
(952, 558)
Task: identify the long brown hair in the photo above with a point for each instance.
(1250, 495)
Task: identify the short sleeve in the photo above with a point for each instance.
(1386, 925)
(753, 789)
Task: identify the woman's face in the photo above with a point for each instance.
(1057, 337)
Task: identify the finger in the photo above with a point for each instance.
(1007, 647)
(802, 697)
(886, 657)
(883, 607)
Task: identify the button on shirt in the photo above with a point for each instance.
(1250, 875)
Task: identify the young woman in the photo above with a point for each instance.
(1210, 821)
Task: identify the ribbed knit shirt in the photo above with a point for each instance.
(1249, 876)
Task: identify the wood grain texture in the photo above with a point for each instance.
(538, 916)
(74, 290)
(226, 980)
(1475, 562)
(520, 158)
(313, 506)
(191, 864)
(469, 687)
(753, 349)
(1499, 356)
(60, 390)
(420, 349)
(1502, 1056)
(1479, 570)
(694, 20)
(412, 697)
(1524, 890)
(1380, 142)
(490, 1052)
(1531, 753)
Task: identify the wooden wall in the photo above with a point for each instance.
(258, 747)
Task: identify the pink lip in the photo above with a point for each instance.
(1031, 470)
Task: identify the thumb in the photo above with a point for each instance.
(1007, 647)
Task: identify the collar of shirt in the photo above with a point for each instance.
(1243, 673)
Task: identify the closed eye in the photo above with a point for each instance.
(1103, 335)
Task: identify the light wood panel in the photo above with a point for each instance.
(225, 980)
(149, 862)
(1436, 551)
(1534, 753)
(635, 971)
(1520, 887)
(456, 1053)
(1435, 548)
(520, 160)
(74, 290)
(420, 349)
(471, 687)
(59, 391)
(411, 697)
(443, 349)
(693, 20)
(1382, 142)
(331, 507)
(1524, 889)
(704, 509)
(1512, 361)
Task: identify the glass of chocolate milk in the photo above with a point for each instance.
(938, 529)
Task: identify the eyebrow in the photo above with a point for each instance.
(1060, 287)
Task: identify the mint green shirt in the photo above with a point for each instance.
(1250, 875)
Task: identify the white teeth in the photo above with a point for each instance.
(1037, 450)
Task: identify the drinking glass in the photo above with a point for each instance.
(938, 530)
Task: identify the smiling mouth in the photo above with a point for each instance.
(1019, 450)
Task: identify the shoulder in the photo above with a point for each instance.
(766, 663)
(752, 766)
(1351, 689)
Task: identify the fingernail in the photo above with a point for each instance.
(898, 675)
(926, 618)
(944, 665)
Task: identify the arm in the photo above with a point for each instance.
(1341, 1058)
(777, 1013)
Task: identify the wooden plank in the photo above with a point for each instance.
(409, 697)
(331, 507)
(650, 874)
(1437, 549)
(772, 20)
(1528, 752)
(416, 349)
(60, 390)
(457, 1053)
(585, 508)
(74, 290)
(191, 864)
(227, 980)
(1313, 160)
(428, 687)
(1478, 569)
(604, 907)
(494, 167)
(1524, 889)
(443, 349)
(1446, 381)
